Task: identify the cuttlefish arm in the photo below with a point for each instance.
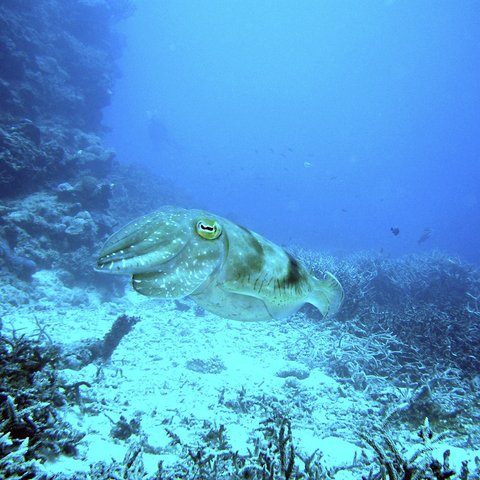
(164, 253)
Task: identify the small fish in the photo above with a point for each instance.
(395, 231)
(224, 267)
(426, 234)
(307, 164)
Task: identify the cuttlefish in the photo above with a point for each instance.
(224, 267)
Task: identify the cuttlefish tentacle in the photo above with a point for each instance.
(146, 243)
(225, 268)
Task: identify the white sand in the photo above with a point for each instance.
(150, 377)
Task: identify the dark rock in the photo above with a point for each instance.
(181, 306)
(123, 429)
(122, 325)
(296, 372)
(80, 354)
(29, 130)
(21, 266)
(209, 365)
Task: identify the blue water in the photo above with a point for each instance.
(319, 123)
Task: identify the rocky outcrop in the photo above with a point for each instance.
(61, 191)
(57, 68)
(57, 59)
(35, 156)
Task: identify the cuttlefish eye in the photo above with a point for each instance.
(209, 229)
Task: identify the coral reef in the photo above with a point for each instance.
(31, 427)
(61, 190)
(273, 456)
(420, 306)
(422, 464)
(58, 60)
(406, 338)
(22, 265)
(54, 81)
(54, 153)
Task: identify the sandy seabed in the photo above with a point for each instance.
(184, 371)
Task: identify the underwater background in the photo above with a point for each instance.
(322, 123)
(346, 132)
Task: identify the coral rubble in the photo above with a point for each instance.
(31, 428)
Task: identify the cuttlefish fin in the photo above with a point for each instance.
(161, 284)
(281, 311)
(327, 295)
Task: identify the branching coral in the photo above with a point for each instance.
(422, 465)
(30, 428)
(423, 305)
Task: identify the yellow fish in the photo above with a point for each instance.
(224, 267)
